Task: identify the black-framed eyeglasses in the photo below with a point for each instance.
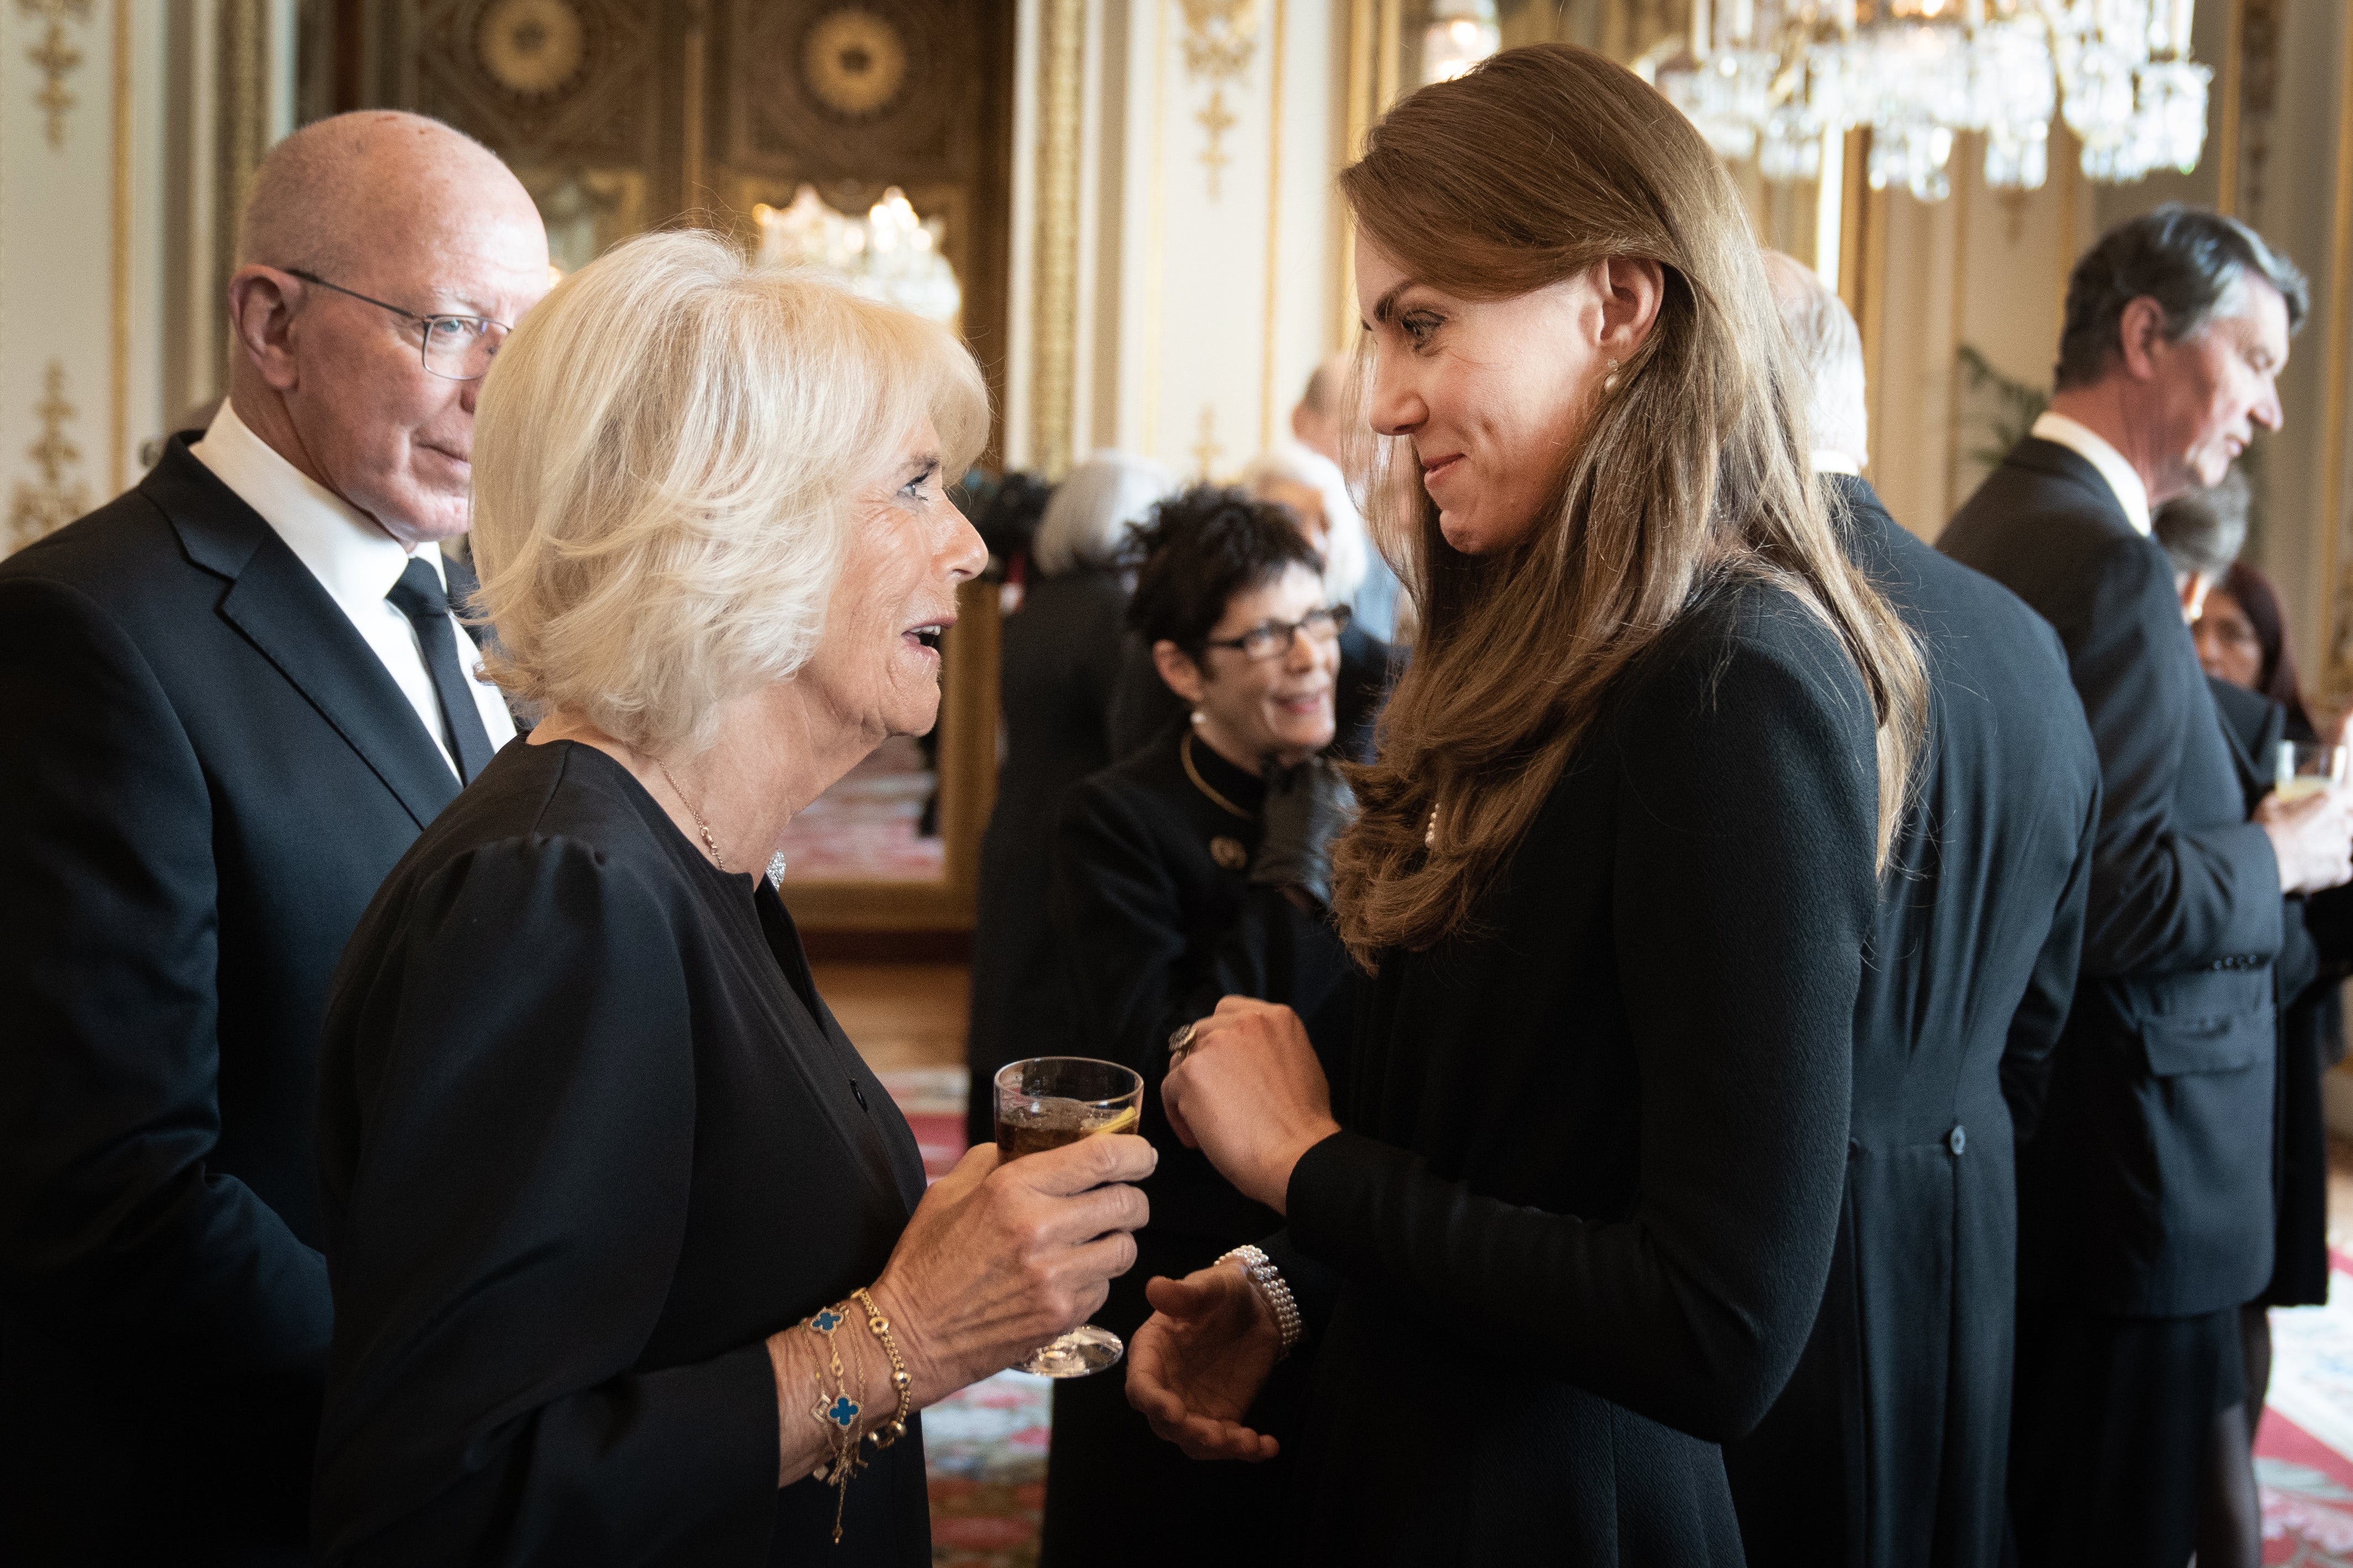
(1272, 639)
(456, 348)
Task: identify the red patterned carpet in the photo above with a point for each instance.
(2303, 1451)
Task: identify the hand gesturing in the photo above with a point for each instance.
(1197, 1363)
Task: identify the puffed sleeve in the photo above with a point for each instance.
(507, 1119)
(1742, 888)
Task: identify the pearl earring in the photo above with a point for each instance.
(1609, 382)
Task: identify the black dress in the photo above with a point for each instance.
(1155, 920)
(1576, 1227)
(1057, 661)
(586, 1136)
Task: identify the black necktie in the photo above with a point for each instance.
(418, 596)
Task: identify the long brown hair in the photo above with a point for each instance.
(1690, 472)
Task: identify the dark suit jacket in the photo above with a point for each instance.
(1888, 1446)
(207, 773)
(586, 1136)
(1596, 1142)
(2147, 1190)
(1057, 663)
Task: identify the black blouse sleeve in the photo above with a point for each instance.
(1742, 889)
(514, 1052)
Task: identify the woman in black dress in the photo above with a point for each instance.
(1562, 1224)
(1057, 657)
(1196, 868)
(631, 1255)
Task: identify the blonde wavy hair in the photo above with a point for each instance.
(1692, 473)
(667, 456)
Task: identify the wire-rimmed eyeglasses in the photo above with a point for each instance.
(1270, 639)
(456, 348)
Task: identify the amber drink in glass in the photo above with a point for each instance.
(1043, 1103)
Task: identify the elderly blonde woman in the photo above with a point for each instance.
(631, 1255)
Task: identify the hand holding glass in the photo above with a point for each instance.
(2307, 769)
(1043, 1103)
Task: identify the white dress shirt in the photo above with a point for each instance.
(355, 561)
(2093, 449)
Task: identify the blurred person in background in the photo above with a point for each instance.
(2252, 679)
(1310, 490)
(1319, 424)
(2242, 637)
(1058, 662)
(1006, 511)
(1194, 869)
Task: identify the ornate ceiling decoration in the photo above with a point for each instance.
(854, 61)
(532, 48)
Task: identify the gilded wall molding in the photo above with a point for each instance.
(118, 424)
(1061, 41)
(1267, 336)
(60, 494)
(2337, 679)
(1220, 36)
(57, 57)
(1207, 448)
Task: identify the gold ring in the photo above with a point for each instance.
(1180, 1044)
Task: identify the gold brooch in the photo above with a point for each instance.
(1228, 853)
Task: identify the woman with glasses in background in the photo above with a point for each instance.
(1194, 868)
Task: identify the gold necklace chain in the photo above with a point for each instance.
(708, 841)
(1185, 754)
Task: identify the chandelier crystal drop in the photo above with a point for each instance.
(1769, 79)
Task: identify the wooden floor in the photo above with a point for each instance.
(901, 1017)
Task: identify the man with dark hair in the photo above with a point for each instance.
(1887, 1448)
(2145, 1195)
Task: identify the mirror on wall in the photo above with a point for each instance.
(621, 116)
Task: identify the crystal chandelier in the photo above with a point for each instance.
(1771, 78)
(889, 254)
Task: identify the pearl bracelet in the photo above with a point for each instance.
(1268, 1281)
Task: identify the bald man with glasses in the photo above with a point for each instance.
(233, 697)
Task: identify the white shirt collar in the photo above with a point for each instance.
(2093, 449)
(355, 561)
(1826, 461)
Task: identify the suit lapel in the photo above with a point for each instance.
(279, 607)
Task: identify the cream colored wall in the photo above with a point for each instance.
(110, 296)
(1204, 295)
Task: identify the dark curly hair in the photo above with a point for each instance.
(1201, 547)
(2186, 259)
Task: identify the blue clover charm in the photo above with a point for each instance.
(842, 1411)
(825, 1322)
